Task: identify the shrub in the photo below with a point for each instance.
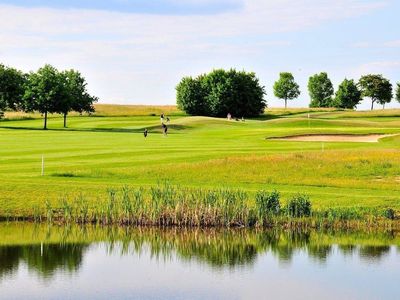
(267, 203)
(389, 214)
(344, 213)
(299, 206)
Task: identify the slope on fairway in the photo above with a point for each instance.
(96, 153)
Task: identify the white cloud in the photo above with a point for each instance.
(392, 44)
(361, 45)
(388, 44)
(140, 58)
(378, 67)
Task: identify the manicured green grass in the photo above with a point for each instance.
(100, 152)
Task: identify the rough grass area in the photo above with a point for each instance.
(165, 205)
(97, 153)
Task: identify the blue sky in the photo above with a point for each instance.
(136, 51)
(163, 7)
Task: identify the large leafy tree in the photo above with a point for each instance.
(348, 95)
(11, 88)
(44, 91)
(398, 92)
(286, 88)
(75, 96)
(321, 90)
(190, 96)
(376, 87)
(221, 92)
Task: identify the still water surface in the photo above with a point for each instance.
(42, 262)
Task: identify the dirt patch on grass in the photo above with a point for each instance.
(359, 138)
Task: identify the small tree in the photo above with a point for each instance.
(348, 95)
(376, 87)
(286, 88)
(75, 96)
(398, 92)
(44, 91)
(11, 88)
(321, 90)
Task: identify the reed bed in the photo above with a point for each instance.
(167, 205)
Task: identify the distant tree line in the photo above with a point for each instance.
(239, 93)
(221, 92)
(348, 95)
(46, 91)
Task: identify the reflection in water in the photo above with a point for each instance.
(47, 250)
(46, 260)
(374, 252)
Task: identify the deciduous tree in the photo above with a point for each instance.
(11, 88)
(44, 91)
(286, 88)
(75, 95)
(191, 96)
(348, 95)
(321, 90)
(221, 92)
(376, 87)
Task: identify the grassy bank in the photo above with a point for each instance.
(173, 206)
(98, 152)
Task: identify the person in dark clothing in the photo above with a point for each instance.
(165, 129)
(145, 133)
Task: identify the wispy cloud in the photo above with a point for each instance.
(392, 44)
(385, 67)
(377, 45)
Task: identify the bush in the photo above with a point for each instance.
(344, 213)
(389, 214)
(267, 203)
(299, 206)
(221, 92)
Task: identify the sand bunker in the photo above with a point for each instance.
(364, 138)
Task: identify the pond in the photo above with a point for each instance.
(73, 262)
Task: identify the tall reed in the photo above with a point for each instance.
(169, 205)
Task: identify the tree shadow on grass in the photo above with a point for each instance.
(266, 117)
(151, 129)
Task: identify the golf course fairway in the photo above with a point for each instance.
(108, 150)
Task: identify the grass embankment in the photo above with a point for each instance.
(166, 205)
(97, 153)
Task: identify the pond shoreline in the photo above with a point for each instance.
(281, 224)
(166, 205)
